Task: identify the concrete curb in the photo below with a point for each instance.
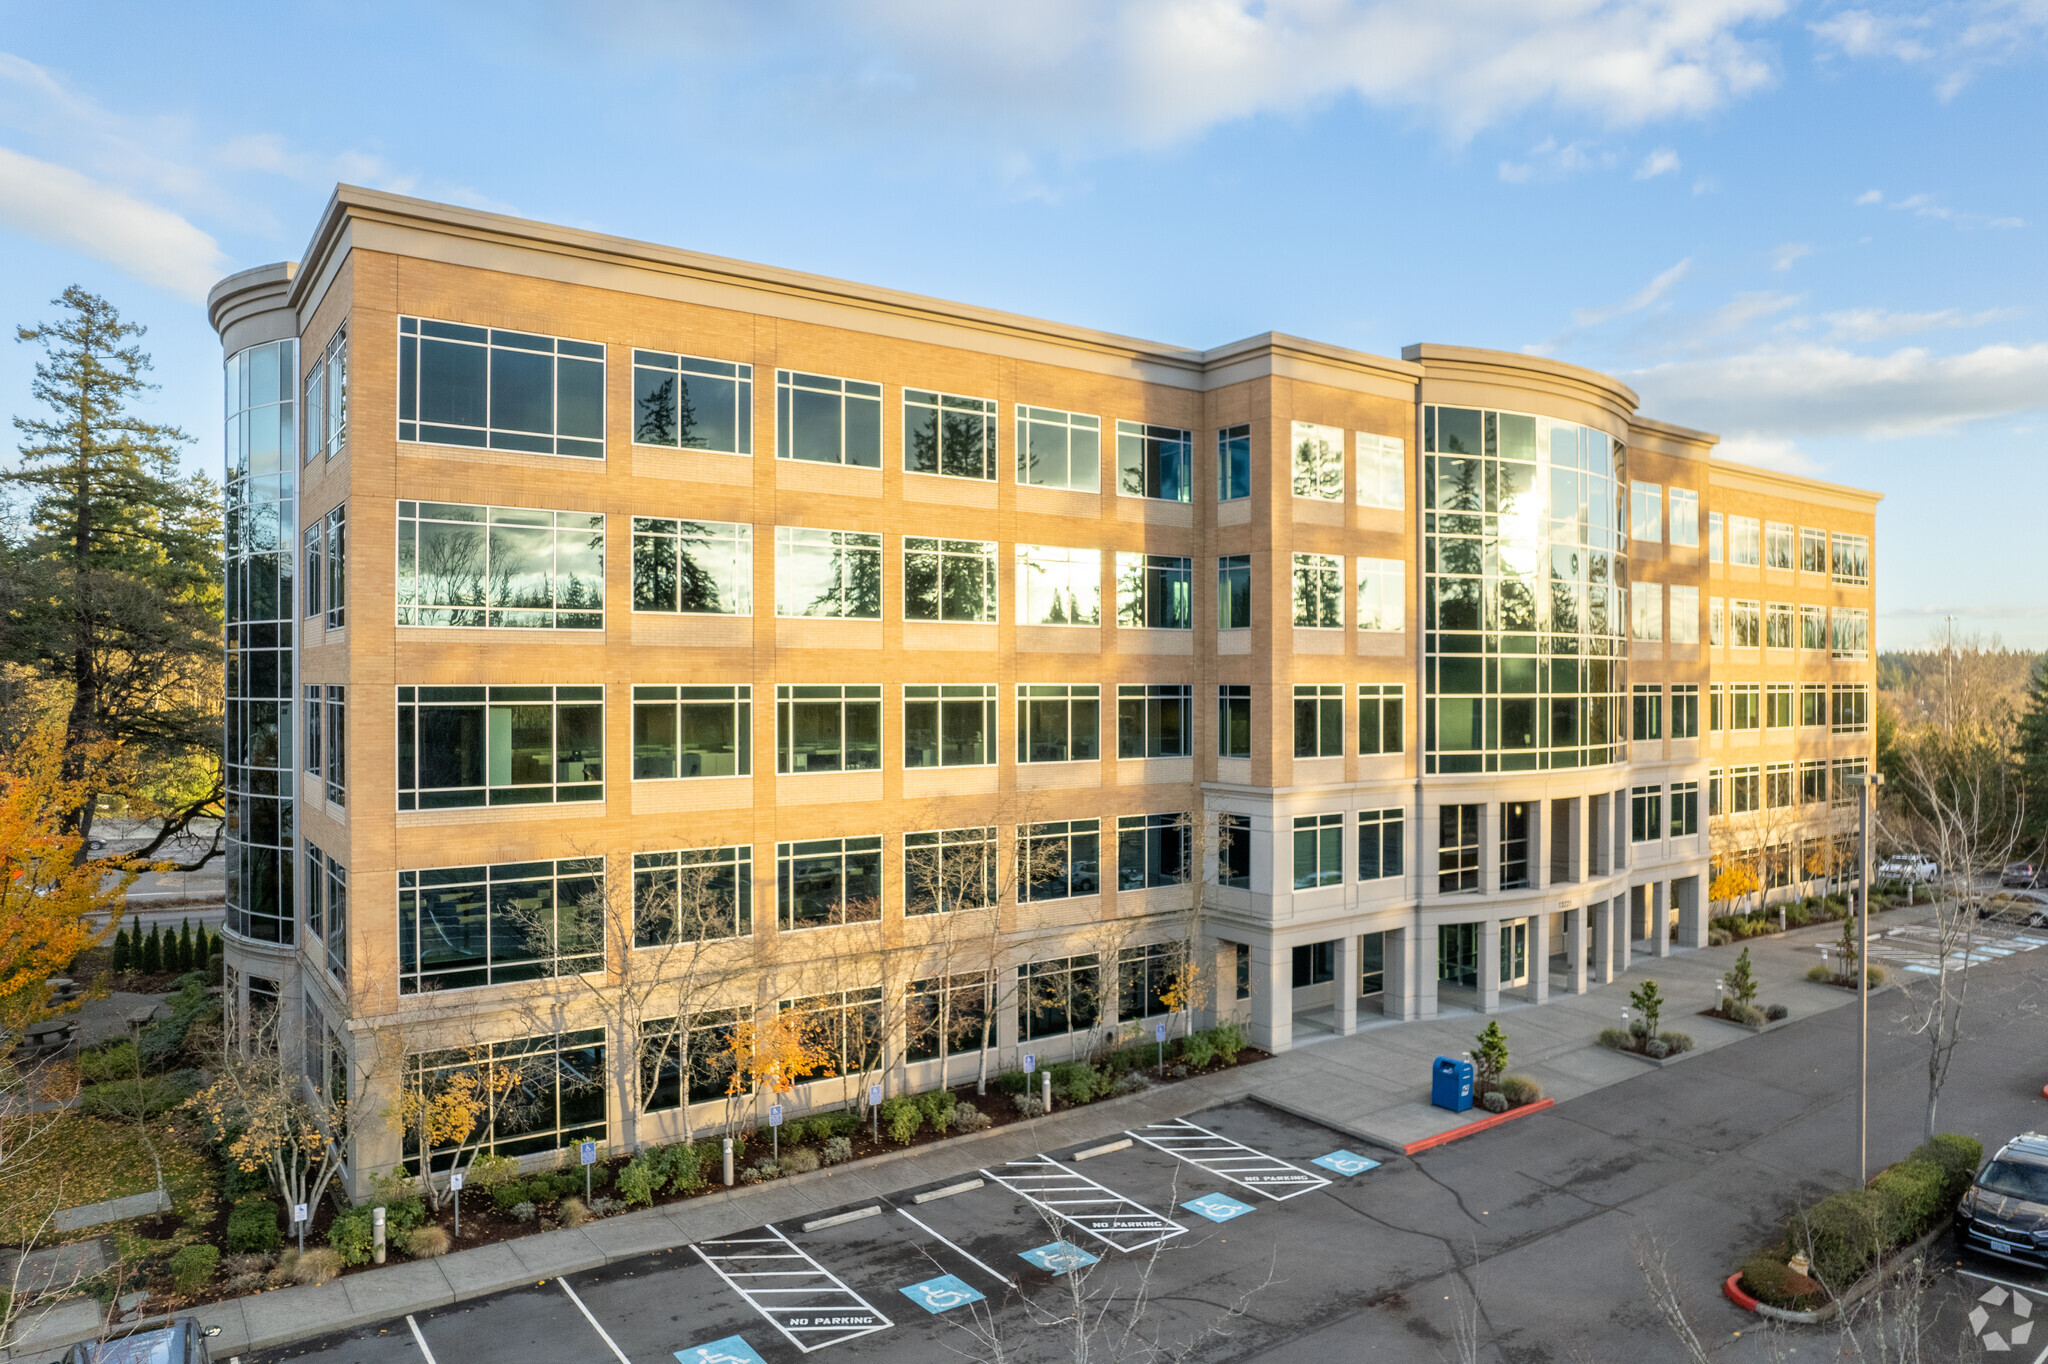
(1474, 1128)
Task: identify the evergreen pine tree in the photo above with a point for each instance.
(124, 952)
(153, 952)
(185, 946)
(2032, 752)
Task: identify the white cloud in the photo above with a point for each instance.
(1768, 452)
(1951, 40)
(1928, 206)
(1870, 196)
(1784, 256)
(60, 206)
(1660, 162)
(1881, 324)
(1550, 161)
(1636, 302)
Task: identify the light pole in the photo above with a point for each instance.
(1866, 801)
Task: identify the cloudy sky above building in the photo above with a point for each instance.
(1812, 228)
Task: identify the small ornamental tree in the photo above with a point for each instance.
(271, 1119)
(769, 1057)
(454, 1111)
(124, 953)
(1649, 1004)
(1846, 966)
(153, 953)
(1489, 1058)
(1741, 981)
(185, 946)
(1736, 880)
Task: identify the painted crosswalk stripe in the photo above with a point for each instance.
(1231, 1160)
(799, 1297)
(1119, 1222)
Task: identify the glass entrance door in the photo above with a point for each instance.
(1514, 953)
(1457, 955)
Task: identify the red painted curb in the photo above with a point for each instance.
(1735, 1293)
(2044, 1091)
(1493, 1120)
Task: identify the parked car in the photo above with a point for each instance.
(182, 1342)
(2025, 908)
(1908, 867)
(2005, 1213)
(2024, 874)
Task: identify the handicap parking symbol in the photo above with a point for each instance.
(1059, 1257)
(942, 1294)
(731, 1350)
(1217, 1207)
(1346, 1163)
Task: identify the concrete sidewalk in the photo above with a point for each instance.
(1373, 1085)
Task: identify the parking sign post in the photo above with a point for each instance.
(589, 1159)
(775, 1130)
(299, 1220)
(455, 1187)
(1159, 1036)
(875, 1111)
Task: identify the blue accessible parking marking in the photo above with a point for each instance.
(1059, 1257)
(731, 1350)
(1346, 1162)
(1217, 1207)
(942, 1294)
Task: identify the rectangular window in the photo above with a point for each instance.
(1233, 463)
(1319, 721)
(1514, 845)
(689, 403)
(1646, 512)
(560, 1080)
(1382, 727)
(827, 420)
(1813, 627)
(1058, 586)
(315, 570)
(1153, 592)
(1318, 592)
(1457, 848)
(692, 895)
(1155, 720)
(1381, 836)
(337, 746)
(835, 574)
(1778, 545)
(1382, 470)
(948, 435)
(1059, 449)
(1717, 792)
(1685, 710)
(1813, 705)
(314, 750)
(692, 732)
(1645, 814)
(469, 746)
(1717, 622)
(1685, 809)
(487, 388)
(949, 580)
(947, 870)
(1719, 719)
(953, 725)
(1151, 850)
(1778, 625)
(1778, 706)
(828, 729)
(1315, 963)
(1813, 782)
(1745, 622)
(1713, 537)
(337, 566)
(1155, 461)
(1646, 714)
(1234, 852)
(1813, 550)
(1058, 997)
(1382, 594)
(315, 409)
(316, 888)
(337, 919)
(1849, 709)
(1233, 721)
(1852, 632)
(460, 928)
(1745, 705)
(1851, 558)
(1318, 462)
(828, 881)
(1847, 780)
(947, 1016)
(1778, 786)
(696, 1048)
(1646, 612)
(1745, 795)
(1060, 860)
(693, 567)
(1058, 722)
(1745, 540)
(1318, 851)
(849, 1024)
(500, 567)
(1685, 517)
(1684, 624)
(1234, 592)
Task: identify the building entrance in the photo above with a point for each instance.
(1514, 953)
(1457, 955)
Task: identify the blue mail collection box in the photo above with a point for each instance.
(1450, 1084)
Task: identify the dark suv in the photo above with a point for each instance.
(2005, 1213)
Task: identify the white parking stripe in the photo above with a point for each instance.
(1094, 1208)
(603, 1334)
(419, 1339)
(958, 1251)
(1232, 1160)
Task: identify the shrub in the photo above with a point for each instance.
(1718, 937)
(836, 1150)
(424, 1243)
(683, 1165)
(107, 1062)
(1775, 1012)
(1617, 1038)
(1819, 975)
(352, 1235)
(796, 1132)
(1011, 1082)
(1197, 1050)
(1844, 1230)
(840, 1124)
(1763, 1274)
(488, 1172)
(1493, 1101)
(1747, 1014)
(1077, 1082)
(318, 1265)
(508, 1195)
(1135, 1081)
(523, 1212)
(1656, 1048)
(152, 1096)
(1877, 976)
(192, 1268)
(252, 1226)
(1030, 1105)
(638, 1180)
(901, 1117)
(801, 1161)
(1676, 1041)
(124, 952)
(1913, 1190)
(1519, 1090)
(1958, 1156)
(937, 1107)
(1230, 1040)
(573, 1213)
(968, 1118)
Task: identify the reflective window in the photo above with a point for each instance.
(1646, 512)
(692, 895)
(1685, 710)
(326, 406)
(673, 1047)
(1685, 517)
(1382, 594)
(850, 1025)
(944, 434)
(1233, 721)
(501, 390)
(1457, 848)
(1058, 722)
(1683, 627)
(1234, 859)
(336, 535)
(1852, 632)
(1645, 814)
(1381, 724)
(1318, 462)
(1745, 790)
(1745, 621)
(1745, 540)
(460, 928)
(1057, 586)
(1778, 625)
(1717, 622)
(1646, 714)
(1777, 545)
(1380, 838)
(1646, 612)
(693, 567)
(953, 725)
(1153, 592)
(688, 403)
(1685, 809)
(827, 420)
(1382, 470)
(1319, 721)
(1059, 449)
(1778, 786)
(1745, 705)
(1514, 844)
(1813, 627)
(1849, 708)
(945, 870)
(692, 732)
(947, 1015)
(1234, 592)
(1058, 997)
(1813, 705)
(313, 569)
(1813, 782)
(828, 881)
(1145, 975)
(1318, 851)
(336, 726)
(830, 573)
(559, 1079)
(1319, 591)
(1154, 461)
(1778, 705)
(1813, 550)
(500, 567)
(1151, 850)
(1154, 721)
(828, 729)
(470, 746)
(1714, 537)
(949, 580)
(1233, 463)
(1059, 860)
(1851, 558)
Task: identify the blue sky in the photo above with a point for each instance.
(1815, 229)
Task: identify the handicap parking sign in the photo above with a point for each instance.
(1217, 1207)
(1346, 1162)
(1059, 1257)
(941, 1294)
(731, 1350)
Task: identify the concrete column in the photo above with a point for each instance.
(1539, 957)
(1402, 997)
(1539, 844)
(1425, 970)
(1621, 829)
(1600, 844)
(1489, 966)
(1346, 983)
(1624, 953)
(1489, 848)
(1692, 919)
(1600, 918)
(1660, 918)
(1272, 997)
(1575, 836)
(1576, 950)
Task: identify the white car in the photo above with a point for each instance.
(1908, 867)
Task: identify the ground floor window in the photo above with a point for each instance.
(669, 1051)
(1315, 963)
(1457, 955)
(538, 1093)
(1144, 974)
(1059, 996)
(1372, 964)
(946, 1009)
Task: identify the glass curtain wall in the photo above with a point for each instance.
(1525, 609)
(262, 535)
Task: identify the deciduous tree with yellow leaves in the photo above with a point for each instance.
(271, 1117)
(768, 1056)
(451, 1104)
